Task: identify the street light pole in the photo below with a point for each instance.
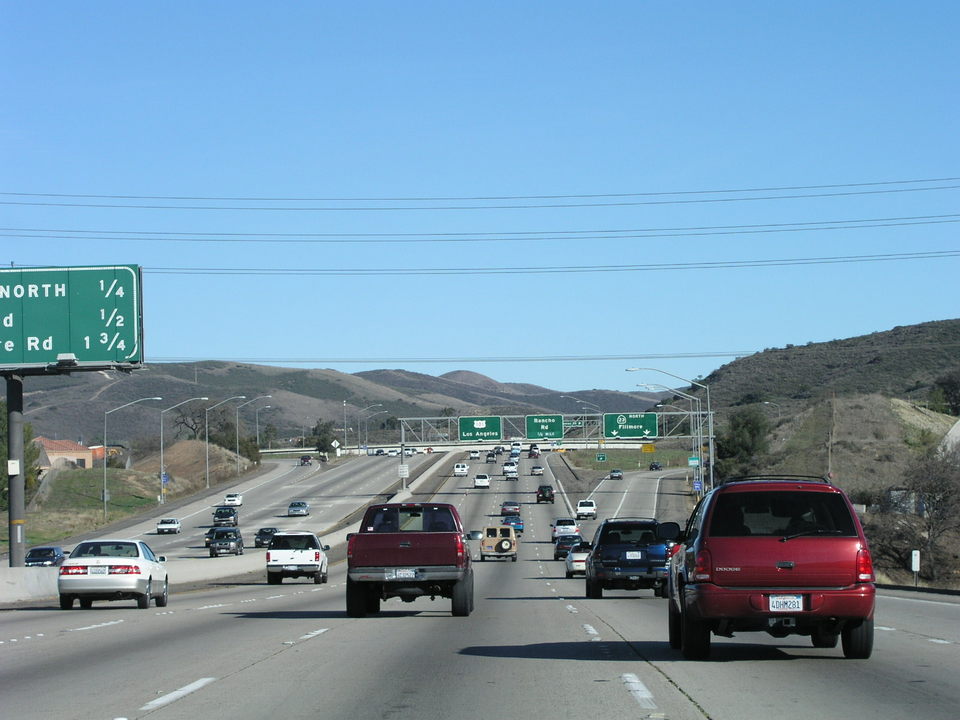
(237, 427)
(162, 468)
(206, 432)
(256, 416)
(360, 419)
(366, 427)
(699, 436)
(709, 411)
(132, 402)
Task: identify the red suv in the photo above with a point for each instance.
(781, 554)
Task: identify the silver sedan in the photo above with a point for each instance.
(112, 569)
(298, 507)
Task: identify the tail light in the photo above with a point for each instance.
(124, 570)
(350, 544)
(73, 569)
(865, 566)
(703, 568)
(268, 556)
(461, 554)
(316, 556)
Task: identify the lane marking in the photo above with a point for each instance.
(212, 607)
(572, 609)
(177, 694)
(313, 634)
(639, 691)
(94, 627)
(938, 641)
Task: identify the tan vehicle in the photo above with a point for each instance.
(499, 541)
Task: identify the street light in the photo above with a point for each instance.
(206, 432)
(162, 469)
(132, 402)
(366, 426)
(256, 416)
(777, 406)
(360, 420)
(709, 410)
(237, 427)
(599, 422)
(699, 437)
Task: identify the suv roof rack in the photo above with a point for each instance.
(628, 517)
(787, 478)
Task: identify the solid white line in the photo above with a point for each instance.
(177, 694)
(94, 627)
(639, 691)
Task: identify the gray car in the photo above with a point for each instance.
(298, 507)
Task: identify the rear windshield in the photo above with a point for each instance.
(294, 542)
(105, 549)
(426, 518)
(629, 533)
(787, 512)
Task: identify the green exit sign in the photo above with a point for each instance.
(544, 427)
(601, 457)
(71, 317)
(480, 428)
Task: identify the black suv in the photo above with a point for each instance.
(263, 536)
(226, 516)
(226, 541)
(656, 466)
(785, 555)
(545, 494)
(630, 554)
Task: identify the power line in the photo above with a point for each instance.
(465, 237)
(478, 198)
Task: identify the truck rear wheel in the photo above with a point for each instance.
(372, 601)
(462, 596)
(356, 599)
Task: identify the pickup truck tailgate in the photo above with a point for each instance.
(404, 549)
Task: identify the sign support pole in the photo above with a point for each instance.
(16, 468)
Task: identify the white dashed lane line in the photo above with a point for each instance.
(177, 694)
(639, 691)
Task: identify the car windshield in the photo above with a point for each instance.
(426, 518)
(105, 549)
(781, 513)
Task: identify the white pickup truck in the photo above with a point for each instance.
(586, 509)
(168, 525)
(296, 554)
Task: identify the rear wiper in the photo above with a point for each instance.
(818, 531)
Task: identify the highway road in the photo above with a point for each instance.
(533, 646)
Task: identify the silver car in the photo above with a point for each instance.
(112, 569)
(298, 507)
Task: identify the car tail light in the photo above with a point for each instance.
(672, 549)
(865, 566)
(703, 568)
(268, 556)
(461, 559)
(124, 570)
(350, 544)
(316, 556)
(73, 569)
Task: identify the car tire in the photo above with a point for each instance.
(673, 625)
(660, 590)
(212, 554)
(857, 640)
(372, 601)
(694, 638)
(356, 600)
(86, 603)
(594, 589)
(143, 601)
(513, 558)
(318, 578)
(164, 597)
(461, 600)
(569, 574)
(274, 578)
(66, 602)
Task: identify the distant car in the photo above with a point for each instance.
(233, 499)
(491, 457)
(262, 538)
(562, 545)
(616, 474)
(586, 509)
(533, 453)
(306, 460)
(565, 526)
(298, 507)
(226, 516)
(112, 569)
(296, 554)
(46, 556)
(536, 470)
(576, 560)
(509, 507)
(499, 541)
(460, 469)
(515, 521)
(379, 451)
(474, 454)
(545, 494)
(168, 525)
(656, 466)
(226, 541)
(498, 450)
(481, 481)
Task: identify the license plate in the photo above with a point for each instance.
(633, 555)
(98, 569)
(786, 603)
(401, 574)
(289, 567)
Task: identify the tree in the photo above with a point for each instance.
(324, 434)
(936, 481)
(743, 442)
(949, 387)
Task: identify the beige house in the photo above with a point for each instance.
(55, 453)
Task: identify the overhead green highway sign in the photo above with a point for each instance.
(544, 427)
(71, 317)
(629, 425)
(480, 428)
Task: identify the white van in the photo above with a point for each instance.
(461, 470)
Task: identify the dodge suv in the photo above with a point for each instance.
(785, 555)
(630, 554)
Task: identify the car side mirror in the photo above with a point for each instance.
(668, 531)
(325, 548)
(162, 558)
(475, 535)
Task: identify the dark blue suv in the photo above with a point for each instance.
(630, 554)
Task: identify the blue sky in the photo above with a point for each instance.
(344, 147)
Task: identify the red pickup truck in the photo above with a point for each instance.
(409, 550)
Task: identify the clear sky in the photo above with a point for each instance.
(494, 185)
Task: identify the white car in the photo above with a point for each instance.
(112, 569)
(481, 481)
(474, 454)
(168, 525)
(577, 559)
(586, 509)
(536, 470)
(565, 526)
(233, 499)
(461, 470)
